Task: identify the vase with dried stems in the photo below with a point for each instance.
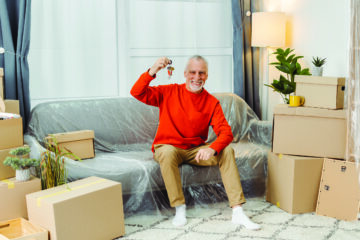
(52, 164)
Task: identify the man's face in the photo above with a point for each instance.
(196, 75)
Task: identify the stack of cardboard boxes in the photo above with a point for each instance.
(87, 209)
(90, 208)
(13, 208)
(301, 178)
(12, 192)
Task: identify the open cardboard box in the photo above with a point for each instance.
(11, 130)
(20, 229)
(293, 182)
(313, 132)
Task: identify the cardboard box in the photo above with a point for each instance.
(5, 171)
(11, 131)
(81, 143)
(88, 209)
(339, 191)
(293, 182)
(313, 132)
(12, 106)
(12, 200)
(322, 92)
(20, 229)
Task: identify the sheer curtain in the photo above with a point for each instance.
(96, 48)
(353, 86)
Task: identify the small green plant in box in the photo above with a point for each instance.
(20, 162)
(289, 65)
(52, 164)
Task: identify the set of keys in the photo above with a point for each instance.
(170, 69)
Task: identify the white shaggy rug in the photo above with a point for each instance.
(213, 223)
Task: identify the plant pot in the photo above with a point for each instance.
(23, 175)
(317, 71)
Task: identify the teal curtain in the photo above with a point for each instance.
(245, 58)
(15, 39)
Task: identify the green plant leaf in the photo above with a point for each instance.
(287, 51)
(305, 71)
(288, 64)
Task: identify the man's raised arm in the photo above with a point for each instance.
(141, 89)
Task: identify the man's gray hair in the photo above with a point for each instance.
(198, 58)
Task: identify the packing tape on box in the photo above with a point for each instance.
(38, 200)
(10, 183)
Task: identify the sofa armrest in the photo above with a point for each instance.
(260, 132)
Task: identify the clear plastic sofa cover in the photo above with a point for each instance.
(124, 130)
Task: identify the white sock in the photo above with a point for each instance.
(180, 217)
(240, 218)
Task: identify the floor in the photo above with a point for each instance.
(213, 223)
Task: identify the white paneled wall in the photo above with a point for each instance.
(72, 49)
(180, 29)
(315, 28)
(97, 48)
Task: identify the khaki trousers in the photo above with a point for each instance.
(170, 157)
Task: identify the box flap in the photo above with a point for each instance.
(339, 191)
(284, 109)
(1, 87)
(2, 105)
(73, 136)
(12, 106)
(320, 80)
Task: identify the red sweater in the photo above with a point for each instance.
(185, 117)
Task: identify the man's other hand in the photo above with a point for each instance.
(158, 65)
(204, 154)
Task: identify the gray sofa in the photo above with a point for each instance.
(124, 129)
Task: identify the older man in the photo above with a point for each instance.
(186, 113)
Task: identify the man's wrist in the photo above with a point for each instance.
(151, 73)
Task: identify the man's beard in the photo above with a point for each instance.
(196, 88)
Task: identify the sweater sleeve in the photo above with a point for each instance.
(144, 93)
(221, 128)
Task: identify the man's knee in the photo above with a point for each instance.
(227, 155)
(228, 151)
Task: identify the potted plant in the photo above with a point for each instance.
(52, 164)
(289, 65)
(21, 163)
(318, 63)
